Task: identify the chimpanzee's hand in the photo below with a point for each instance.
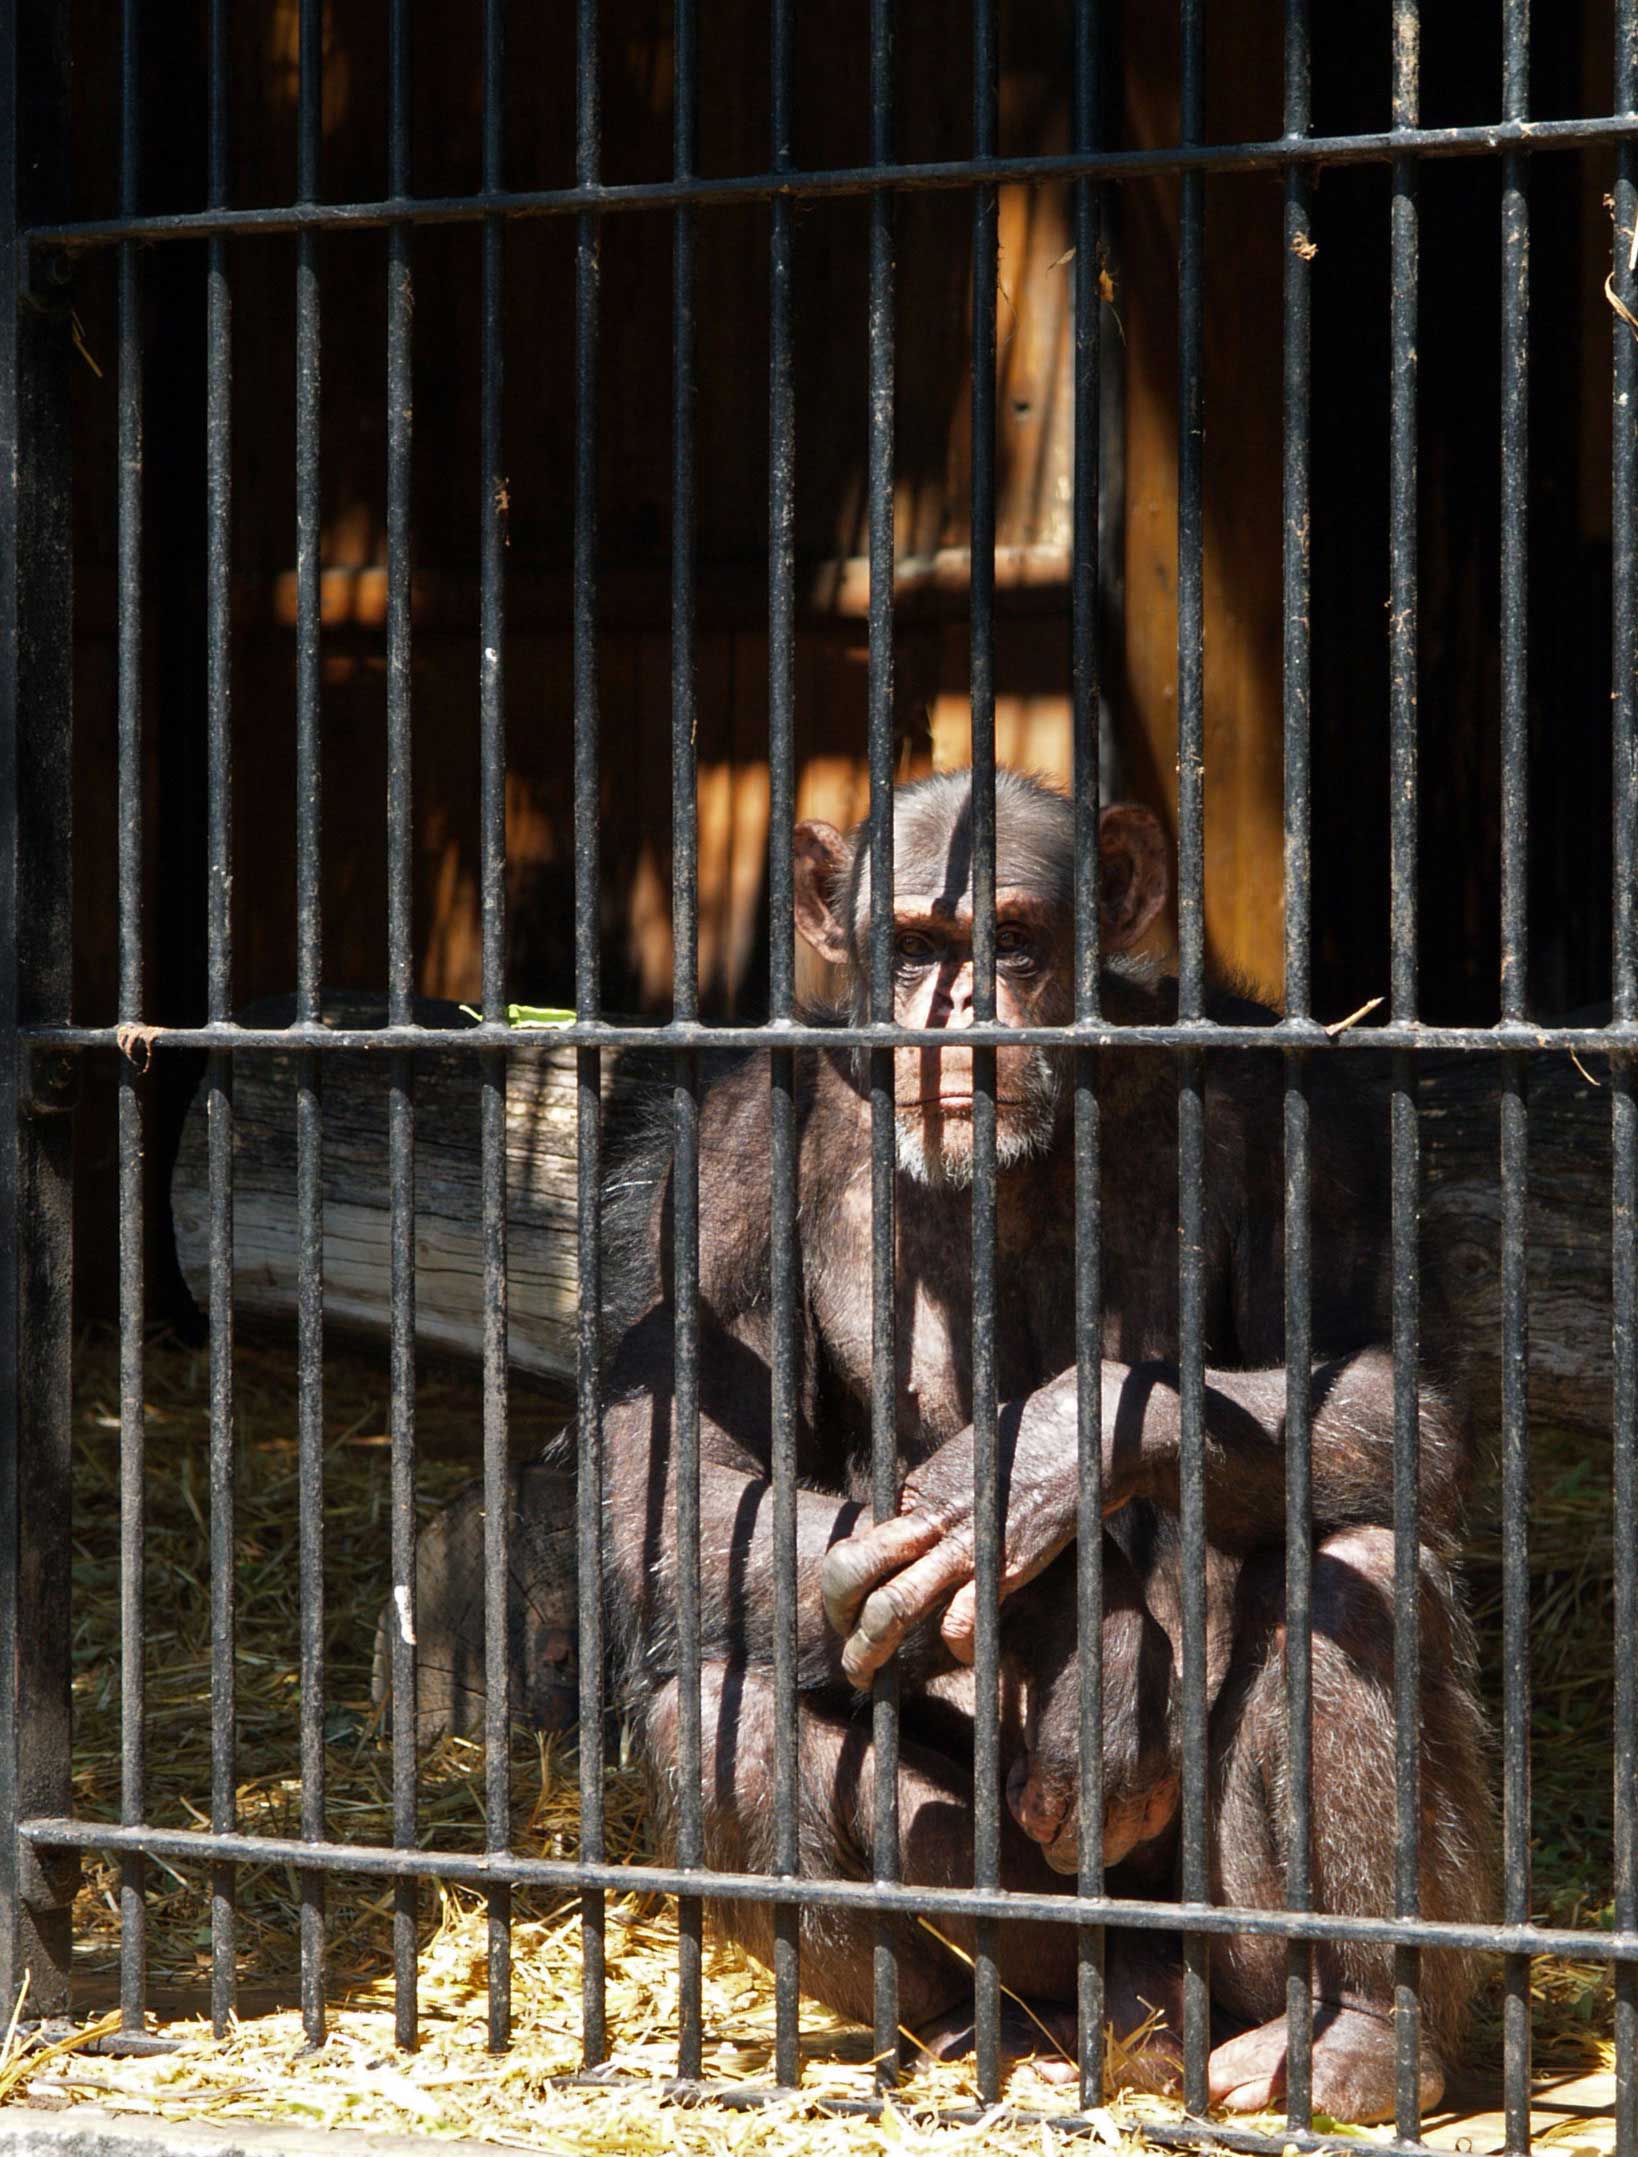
(884, 1579)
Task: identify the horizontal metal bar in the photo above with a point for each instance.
(1189, 2134)
(1271, 156)
(1185, 2133)
(693, 1040)
(197, 1846)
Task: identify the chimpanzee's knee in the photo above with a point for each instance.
(1353, 1603)
(736, 1755)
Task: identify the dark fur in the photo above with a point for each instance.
(1035, 1346)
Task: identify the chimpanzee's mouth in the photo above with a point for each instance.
(957, 1103)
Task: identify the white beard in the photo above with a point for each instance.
(950, 1166)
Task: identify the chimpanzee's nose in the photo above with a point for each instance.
(953, 1006)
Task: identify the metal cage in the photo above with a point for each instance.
(43, 1050)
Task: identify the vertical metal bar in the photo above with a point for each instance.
(588, 1062)
(497, 1508)
(685, 1086)
(781, 1067)
(219, 967)
(400, 1011)
(36, 971)
(884, 1708)
(1515, 1514)
(309, 975)
(1191, 1103)
(1299, 1349)
(1406, 1137)
(1086, 661)
(1624, 1074)
(132, 1425)
(881, 747)
(1515, 721)
(14, 1944)
(986, 1478)
(1625, 1613)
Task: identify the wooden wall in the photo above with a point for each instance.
(1034, 394)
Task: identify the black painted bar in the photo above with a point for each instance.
(1515, 752)
(497, 1508)
(372, 1861)
(884, 1713)
(782, 1285)
(309, 973)
(1299, 1332)
(1624, 1071)
(132, 1310)
(685, 1092)
(1405, 1133)
(1085, 654)
(986, 1470)
(1414, 1039)
(15, 1946)
(1380, 147)
(219, 968)
(400, 997)
(1191, 1100)
(36, 978)
(589, 1061)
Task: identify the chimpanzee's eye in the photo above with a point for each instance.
(1014, 944)
(912, 947)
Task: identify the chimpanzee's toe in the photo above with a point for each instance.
(1042, 2032)
(1353, 2068)
(1041, 1802)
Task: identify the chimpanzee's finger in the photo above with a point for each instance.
(959, 1625)
(853, 1566)
(890, 1610)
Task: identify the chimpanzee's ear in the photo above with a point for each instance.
(819, 862)
(1134, 874)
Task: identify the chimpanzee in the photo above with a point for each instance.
(904, 1588)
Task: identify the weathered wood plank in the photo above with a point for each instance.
(543, 1273)
(1568, 1255)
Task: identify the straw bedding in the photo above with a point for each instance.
(452, 2085)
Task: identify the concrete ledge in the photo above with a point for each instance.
(88, 2131)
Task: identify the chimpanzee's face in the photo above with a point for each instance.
(934, 987)
(933, 977)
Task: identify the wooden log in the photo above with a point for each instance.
(542, 1271)
(1569, 1215)
(1567, 1234)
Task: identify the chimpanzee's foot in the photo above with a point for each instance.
(1353, 2073)
(1143, 2004)
(1042, 2032)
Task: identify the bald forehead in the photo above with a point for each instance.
(933, 843)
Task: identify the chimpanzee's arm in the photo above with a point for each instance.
(873, 1596)
(737, 1604)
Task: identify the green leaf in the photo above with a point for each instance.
(528, 1015)
(538, 1015)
